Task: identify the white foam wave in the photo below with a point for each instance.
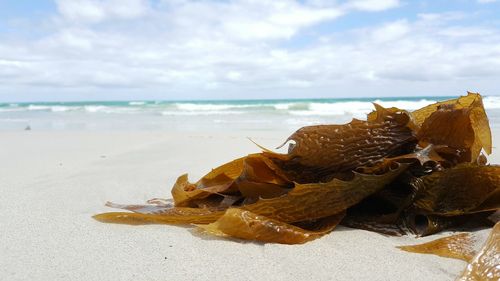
(58, 108)
(111, 109)
(201, 107)
(95, 108)
(51, 108)
(219, 107)
(407, 105)
(33, 107)
(12, 109)
(357, 109)
(292, 106)
(492, 102)
(354, 108)
(137, 103)
(282, 106)
(197, 113)
(301, 109)
(211, 108)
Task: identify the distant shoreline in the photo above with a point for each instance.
(385, 98)
(218, 115)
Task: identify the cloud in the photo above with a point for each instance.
(486, 1)
(95, 11)
(248, 20)
(391, 31)
(246, 49)
(372, 5)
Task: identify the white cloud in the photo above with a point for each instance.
(372, 5)
(81, 10)
(198, 48)
(486, 1)
(234, 75)
(391, 31)
(249, 20)
(94, 11)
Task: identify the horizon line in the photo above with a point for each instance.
(237, 100)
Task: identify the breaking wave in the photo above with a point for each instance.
(317, 107)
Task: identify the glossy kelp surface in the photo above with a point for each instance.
(486, 264)
(483, 263)
(320, 152)
(398, 172)
(458, 246)
(250, 226)
(459, 190)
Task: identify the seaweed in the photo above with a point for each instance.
(460, 190)
(486, 263)
(396, 173)
(458, 246)
(248, 225)
(483, 264)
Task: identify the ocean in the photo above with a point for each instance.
(216, 115)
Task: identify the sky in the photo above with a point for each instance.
(69, 50)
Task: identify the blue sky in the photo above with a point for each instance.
(181, 49)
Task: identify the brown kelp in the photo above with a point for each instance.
(398, 172)
(486, 263)
(457, 246)
(483, 264)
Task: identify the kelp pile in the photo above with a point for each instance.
(396, 173)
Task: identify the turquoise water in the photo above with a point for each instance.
(231, 102)
(225, 104)
(279, 114)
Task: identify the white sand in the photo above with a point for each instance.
(51, 183)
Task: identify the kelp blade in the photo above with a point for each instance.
(261, 178)
(486, 264)
(483, 264)
(217, 181)
(234, 177)
(324, 150)
(317, 200)
(460, 124)
(177, 215)
(460, 190)
(250, 226)
(458, 246)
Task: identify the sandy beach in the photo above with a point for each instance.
(53, 182)
(112, 101)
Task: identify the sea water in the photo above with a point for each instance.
(216, 115)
